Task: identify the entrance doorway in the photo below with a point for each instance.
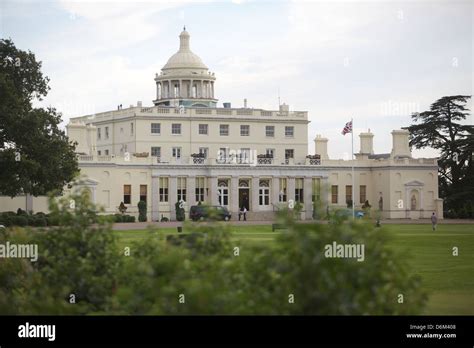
(244, 198)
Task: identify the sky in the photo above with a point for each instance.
(375, 62)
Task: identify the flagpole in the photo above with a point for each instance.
(353, 179)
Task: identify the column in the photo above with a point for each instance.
(170, 89)
(308, 192)
(155, 198)
(275, 192)
(234, 195)
(190, 89)
(212, 198)
(191, 190)
(212, 90)
(180, 89)
(291, 189)
(29, 202)
(201, 95)
(173, 195)
(254, 193)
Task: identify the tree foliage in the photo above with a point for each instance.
(443, 128)
(35, 155)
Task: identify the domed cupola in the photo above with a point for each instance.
(185, 79)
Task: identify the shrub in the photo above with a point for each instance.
(52, 220)
(19, 220)
(142, 211)
(40, 221)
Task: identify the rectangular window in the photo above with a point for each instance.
(99, 152)
(143, 190)
(348, 194)
(176, 152)
(264, 196)
(181, 189)
(106, 152)
(223, 154)
(282, 194)
(316, 189)
(299, 190)
(244, 156)
(163, 189)
(204, 151)
(156, 151)
(224, 129)
(98, 133)
(203, 129)
(289, 131)
(363, 194)
(244, 130)
(131, 128)
(270, 131)
(200, 189)
(106, 132)
(156, 128)
(289, 153)
(176, 128)
(127, 194)
(334, 194)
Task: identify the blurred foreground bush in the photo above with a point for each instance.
(207, 268)
(77, 263)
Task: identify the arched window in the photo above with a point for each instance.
(243, 183)
(381, 203)
(223, 192)
(264, 192)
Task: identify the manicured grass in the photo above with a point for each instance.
(448, 279)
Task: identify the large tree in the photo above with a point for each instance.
(36, 156)
(442, 127)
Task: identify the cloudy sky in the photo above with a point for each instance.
(374, 61)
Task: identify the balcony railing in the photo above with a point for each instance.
(265, 160)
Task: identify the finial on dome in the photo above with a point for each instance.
(184, 28)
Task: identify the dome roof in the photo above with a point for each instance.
(184, 58)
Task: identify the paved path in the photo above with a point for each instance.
(143, 225)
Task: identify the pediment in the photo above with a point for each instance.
(88, 182)
(414, 183)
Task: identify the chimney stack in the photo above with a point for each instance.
(400, 147)
(366, 143)
(321, 147)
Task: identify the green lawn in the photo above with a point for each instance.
(448, 279)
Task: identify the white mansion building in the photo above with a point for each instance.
(186, 148)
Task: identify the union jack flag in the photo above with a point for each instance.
(347, 128)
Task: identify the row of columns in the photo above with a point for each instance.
(205, 89)
(233, 193)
